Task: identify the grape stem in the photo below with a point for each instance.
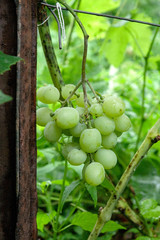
(151, 138)
(94, 92)
(86, 36)
(48, 49)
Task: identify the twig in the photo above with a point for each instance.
(94, 92)
(105, 215)
(70, 35)
(48, 48)
(146, 58)
(84, 51)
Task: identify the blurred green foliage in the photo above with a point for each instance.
(115, 64)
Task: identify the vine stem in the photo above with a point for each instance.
(146, 58)
(152, 137)
(48, 49)
(86, 36)
(60, 201)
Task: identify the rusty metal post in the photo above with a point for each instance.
(18, 198)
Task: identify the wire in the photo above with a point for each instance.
(105, 15)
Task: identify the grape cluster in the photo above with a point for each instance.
(94, 130)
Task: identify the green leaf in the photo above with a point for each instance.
(153, 213)
(108, 185)
(111, 226)
(93, 192)
(6, 61)
(42, 219)
(115, 44)
(4, 98)
(87, 220)
(147, 204)
(142, 34)
(96, 27)
(68, 190)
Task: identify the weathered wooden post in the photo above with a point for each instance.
(18, 198)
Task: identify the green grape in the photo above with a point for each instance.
(90, 140)
(109, 141)
(76, 157)
(80, 110)
(113, 106)
(80, 99)
(78, 129)
(51, 132)
(94, 174)
(122, 123)
(48, 94)
(104, 124)
(68, 147)
(43, 116)
(96, 109)
(66, 91)
(67, 117)
(106, 157)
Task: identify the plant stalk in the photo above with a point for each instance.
(48, 49)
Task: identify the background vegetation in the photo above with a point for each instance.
(123, 57)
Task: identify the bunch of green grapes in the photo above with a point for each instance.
(94, 130)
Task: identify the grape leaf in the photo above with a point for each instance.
(115, 44)
(6, 61)
(68, 190)
(147, 204)
(4, 98)
(87, 220)
(146, 238)
(93, 192)
(141, 33)
(96, 26)
(108, 185)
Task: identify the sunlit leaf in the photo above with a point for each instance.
(6, 61)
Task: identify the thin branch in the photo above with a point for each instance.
(146, 58)
(70, 35)
(106, 15)
(48, 48)
(105, 215)
(84, 51)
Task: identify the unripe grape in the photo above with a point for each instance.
(48, 94)
(109, 141)
(67, 117)
(66, 91)
(78, 129)
(68, 147)
(76, 157)
(122, 123)
(94, 174)
(43, 116)
(106, 157)
(80, 99)
(90, 140)
(113, 106)
(51, 132)
(96, 109)
(80, 110)
(104, 124)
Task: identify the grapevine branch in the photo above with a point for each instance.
(84, 51)
(152, 137)
(48, 48)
